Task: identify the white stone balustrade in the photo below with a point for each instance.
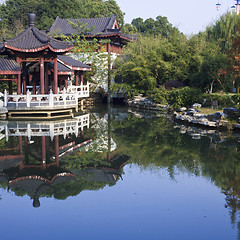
(51, 129)
(64, 99)
(81, 90)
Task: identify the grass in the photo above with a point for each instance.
(207, 111)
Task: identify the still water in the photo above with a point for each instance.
(118, 174)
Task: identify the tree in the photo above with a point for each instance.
(47, 11)
(154, 27)
(223, 31)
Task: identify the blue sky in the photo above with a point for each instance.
(190, 16)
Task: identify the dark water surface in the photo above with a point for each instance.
(123, 175)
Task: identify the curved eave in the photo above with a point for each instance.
(35, 177)
(39, 49)
(10, 72)
(81, 69)
(65, 73)
(110, 35)
(74, 68)
(43, 179)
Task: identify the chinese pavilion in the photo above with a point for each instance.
(35, 62)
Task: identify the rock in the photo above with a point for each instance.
(223, 123)
(196, 105)
(231, 112)
(199, 115)
(215, 116)
(236, 126)
(183, 109)
(196, 136)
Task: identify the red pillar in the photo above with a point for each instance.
(24, 78)
(19, 84)
(66, 83)
(55, 84)
(18, 60)
(42, 87)
(81, 77)
(46, 79)
(76, 79)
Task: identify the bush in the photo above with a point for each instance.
(224, 100)
(184, 97)
(158, 95)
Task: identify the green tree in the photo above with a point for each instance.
(13, 11)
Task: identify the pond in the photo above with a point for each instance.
(118, 174)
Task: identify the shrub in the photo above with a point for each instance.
(184, 97)
(224, 100)
(158, 95)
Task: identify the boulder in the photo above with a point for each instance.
(196, 105)
(231, 112)
(182, 109)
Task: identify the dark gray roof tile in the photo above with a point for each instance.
(73, 63)
(33, 39)
(63, 26)
(7, 64)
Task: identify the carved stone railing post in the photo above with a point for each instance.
(28, 98)
(5, 98)
(64, 98)
(51, 103)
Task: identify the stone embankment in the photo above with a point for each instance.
(215, 120)
(141, 102)
(191, 116)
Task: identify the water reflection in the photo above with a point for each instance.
(30, 154)
(63, 158)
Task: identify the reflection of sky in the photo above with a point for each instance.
(145, 205)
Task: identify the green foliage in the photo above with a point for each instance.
(160, 26)
(159, 95)
(224, 100)
(14, 13)
(223, 31)
(151, 61)
(184, 97)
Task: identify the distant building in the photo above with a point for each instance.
(100, 29)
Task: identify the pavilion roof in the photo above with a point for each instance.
(73, 63)
(64, 70)
(99, 27)
(9, 66)
(34, 40)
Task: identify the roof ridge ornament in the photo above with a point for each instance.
(32, 18)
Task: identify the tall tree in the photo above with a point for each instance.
(16, 11)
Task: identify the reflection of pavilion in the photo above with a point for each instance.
(31, 164)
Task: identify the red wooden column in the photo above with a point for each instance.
(66, 83)
(18, 77)
(18, 84)
(46, 79)
(55, 81)
(81, 77)
(76, 78)
(24, 78)
(42, 87)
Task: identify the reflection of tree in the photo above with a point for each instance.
(155, 142)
